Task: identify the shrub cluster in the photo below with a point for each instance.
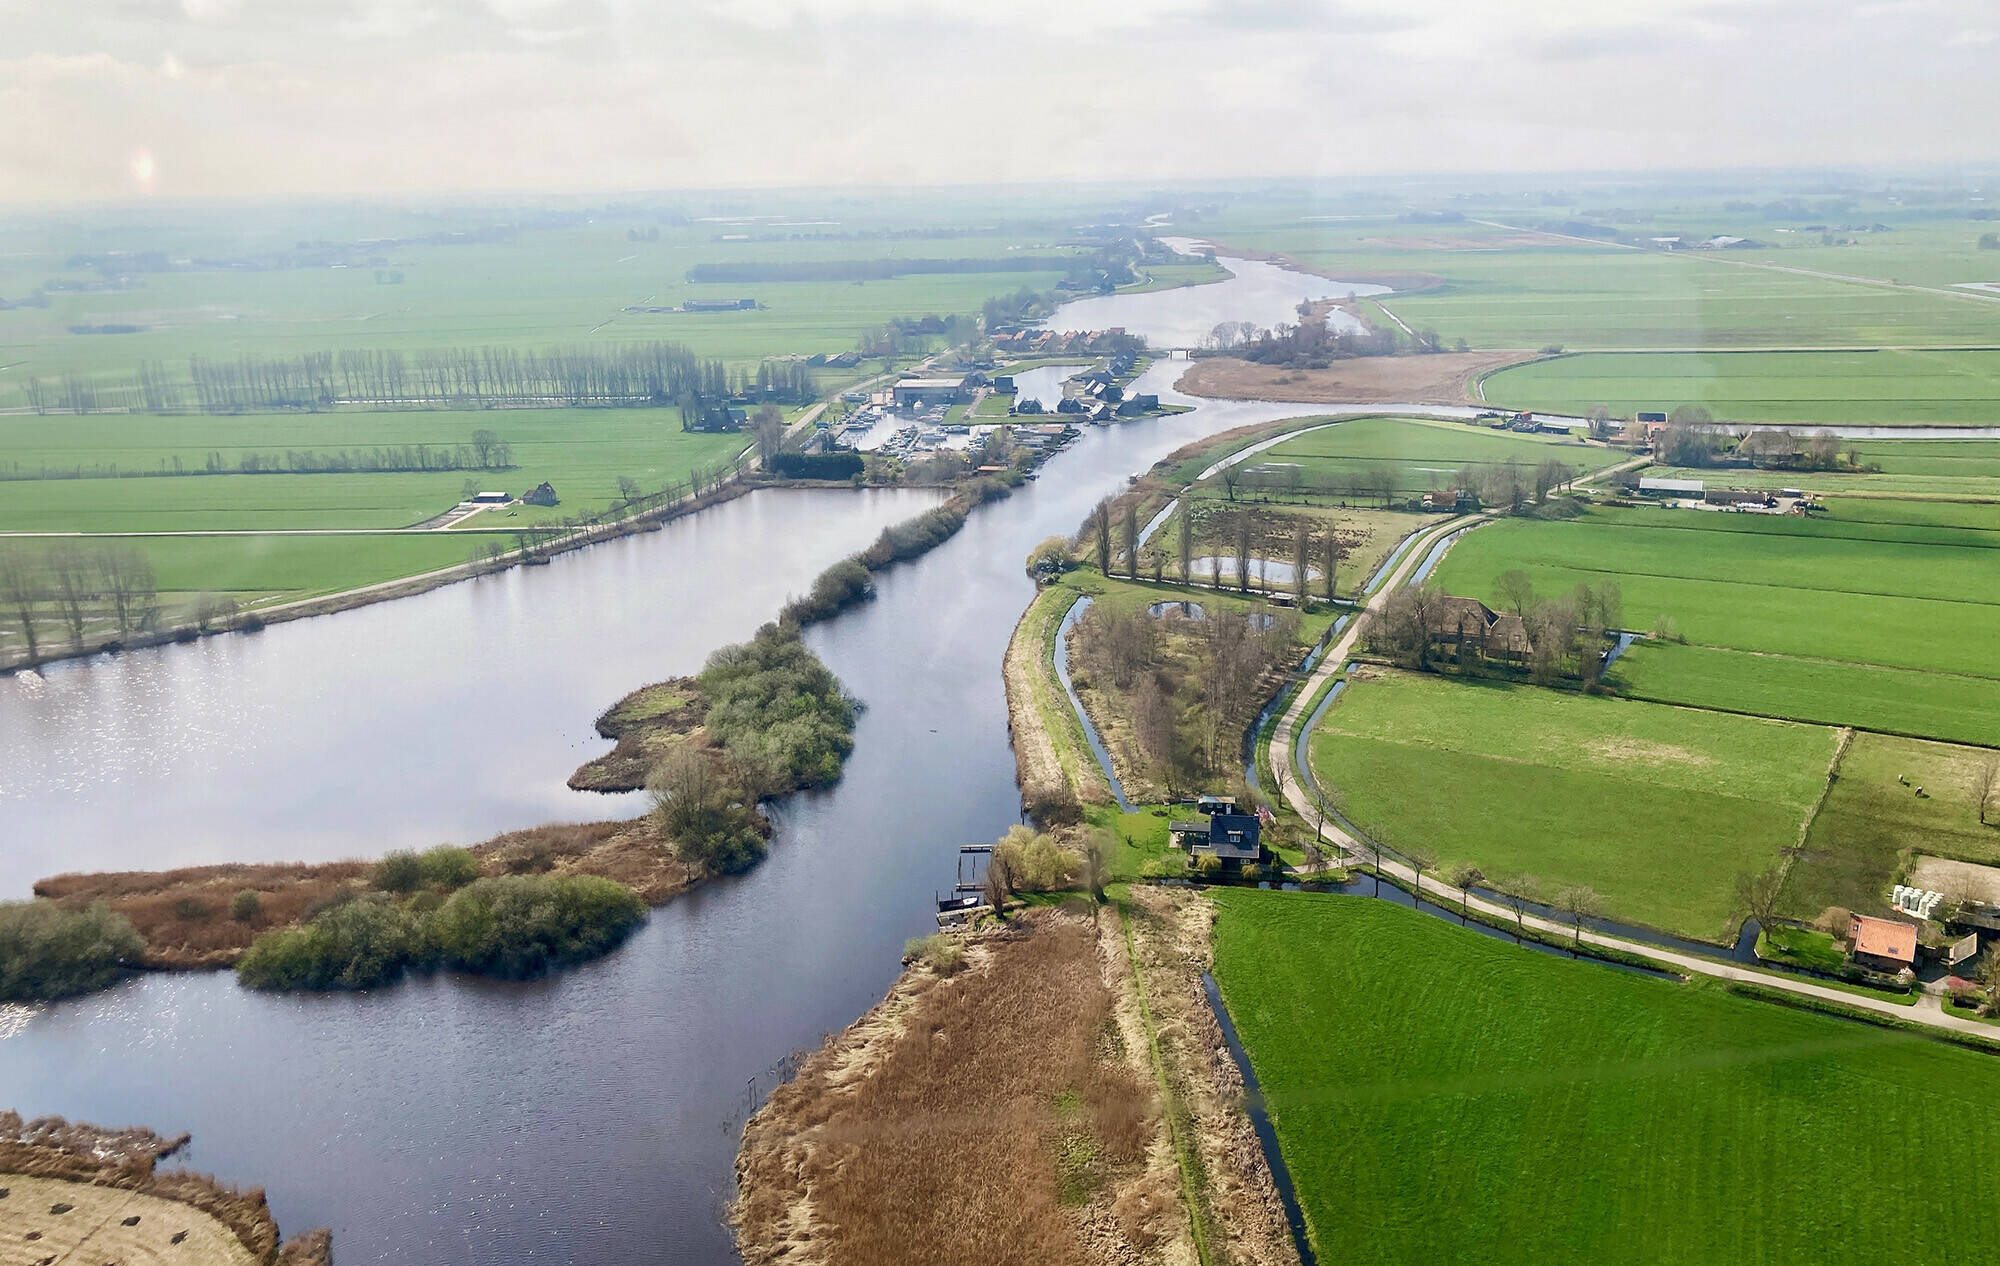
(513, 926)
(442, 867)
(837, 588)
(49, 952)
(843, 465)
(913, 536)
(782, 717)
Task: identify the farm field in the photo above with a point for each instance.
(1872, 825)
(1898, 595)
(1441, 1096)
(1964, 471)
(1419, 454)
(1953, 707)
(1506, 288)
(1883, 388)
(1366, 537)
(1657, 809)
(582, 452)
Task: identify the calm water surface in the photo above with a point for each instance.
(590, 1118)
(1262, 294)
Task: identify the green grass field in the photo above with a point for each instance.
(1440, 1096)
(1658, 809)
(1896, 595)
(582, 452)
(1420, 454)
(1884, 388)
(1872, 824)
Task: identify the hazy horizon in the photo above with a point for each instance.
(198, 100)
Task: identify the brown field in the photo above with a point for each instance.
(184, 915)
(1445, 378)
(1003, 1113)
(75, 1193)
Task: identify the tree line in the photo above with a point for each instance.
(645, 374)
(1513, 485)
(1421, 627)
(487, 451)
(49, 589)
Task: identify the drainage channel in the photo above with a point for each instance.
(1260, 1121)
(1090, 734)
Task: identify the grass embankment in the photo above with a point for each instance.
(1481, 1102)
(1026, 1067)
(1445, 378)
(1052, 759)
(78, 1193)
(1656, 809)
(1419, 455)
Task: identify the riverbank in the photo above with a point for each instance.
(1439, 378)
(1052, 761)
(257, 618)
(1033, 1065)
(645, 724)
(77, 1192)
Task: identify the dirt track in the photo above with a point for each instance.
(1445, 378)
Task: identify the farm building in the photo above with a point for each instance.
(543, 495)
(718, 305)
(1739, 497)
(921, 391)
(1462, 622)
(489, 499)
(1652, 486)
(1882, 944)
(1232, 838)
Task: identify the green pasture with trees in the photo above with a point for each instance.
(1442, 1096)
(1370, 457)
(1653, 810)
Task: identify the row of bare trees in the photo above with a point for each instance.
(1510, 484)
(655, 373)
(49, 589)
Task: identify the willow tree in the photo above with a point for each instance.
(1329, 561)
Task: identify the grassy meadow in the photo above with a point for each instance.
(1657, 809)
(1876, 388)
(1440, 1096)
(1894, 595)
(1874, 823)
(1420, 454)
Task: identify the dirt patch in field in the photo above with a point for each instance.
(1000, 1113)
(1445, 378)
(646, 723)
(1957, 879)
(1643, 752)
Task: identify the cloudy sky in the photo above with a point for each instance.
(118, 99)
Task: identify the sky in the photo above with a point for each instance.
(115, 100)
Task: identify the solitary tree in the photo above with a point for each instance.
(1579, 901)
(1301, 556)
(1097, 852)
(1101, 524)
(1231, 476)
(767, 427)
(1462, 878)
(1516, 591)
(1187, 540)
(1421, 861)
(1329, 561)
(1757, 897)
(1132, 537)
(1243, 552)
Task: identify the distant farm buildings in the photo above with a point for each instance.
(543, 494)
(1461, 622)
(1654, 486)
(913, 393)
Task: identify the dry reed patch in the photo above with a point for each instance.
(1444, 378)
(74, 1192)
(992, 1115)
(1171, 933)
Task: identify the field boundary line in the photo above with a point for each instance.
(1843, 738)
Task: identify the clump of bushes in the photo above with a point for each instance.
(517, 926)
(245, 906)
(511, 926)
(357, 944)
(914, 536)
(446, 867)
(837, 588)
(782, 717)
(704, 814)
(47, 951)
(939, 952)
(1035, 862)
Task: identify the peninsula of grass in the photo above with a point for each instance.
(1439, 1095)
(1655, 809)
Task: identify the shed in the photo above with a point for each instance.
(1658, 487)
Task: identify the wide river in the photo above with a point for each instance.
(591, 1117)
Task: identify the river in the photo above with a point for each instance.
(591, 1117)
(1265, 295)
